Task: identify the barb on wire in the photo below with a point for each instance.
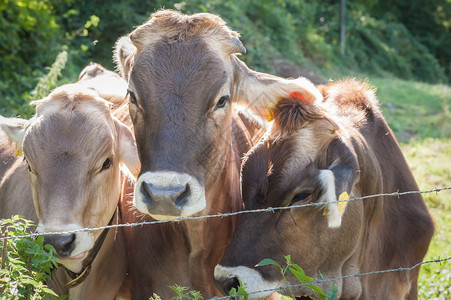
(400, 269)
(222, 215)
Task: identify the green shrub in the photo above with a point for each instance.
(29, 41)
(26, 262)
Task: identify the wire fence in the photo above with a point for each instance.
(268, 210)
(222, 215)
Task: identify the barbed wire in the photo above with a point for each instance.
(222, 215)
(287, 287)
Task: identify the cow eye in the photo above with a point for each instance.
(299, 197)
(107, 164)
(28, 165)
(222, 102)
(132, 97)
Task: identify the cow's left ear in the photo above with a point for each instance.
(127, 148)
(261, 92)
(15, 129)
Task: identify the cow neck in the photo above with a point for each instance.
(79, 278)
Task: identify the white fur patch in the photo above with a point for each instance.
(327, 180)
(251, 279)
(195, 204)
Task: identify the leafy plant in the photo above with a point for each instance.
(297, 271)
(26, 263)
(239, 293)
(182, 293)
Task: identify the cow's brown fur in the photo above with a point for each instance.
(178, 67)
(348, 135)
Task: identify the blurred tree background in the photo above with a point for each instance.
(406, 38)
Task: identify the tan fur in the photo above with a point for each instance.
(72, 122)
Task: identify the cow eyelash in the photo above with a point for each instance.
(299, 197)
(222, 101)
(132, 97)
(107, 164)
(28, 165)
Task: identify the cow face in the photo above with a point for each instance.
(303, 159)
(74, 149)
(183, 76)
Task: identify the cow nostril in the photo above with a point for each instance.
(232, 283)
(183, 197)
(63, 244)
(145, 190)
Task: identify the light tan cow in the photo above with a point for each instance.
(73, 152)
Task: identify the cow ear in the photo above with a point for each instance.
(124, 52)
(337, 183)
(261, 92)
(15, 129)
(127, 148)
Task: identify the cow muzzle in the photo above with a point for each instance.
(64, 244)
(255, 285)
(71, 248)
(166, 195)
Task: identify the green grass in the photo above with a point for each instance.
(414, 109)
(419, 115)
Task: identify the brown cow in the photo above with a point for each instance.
(313, 153)
(73, 150)
(183, 76)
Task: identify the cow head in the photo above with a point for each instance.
(108, 85)
(304, 158)
(74, 149)
(183, 76)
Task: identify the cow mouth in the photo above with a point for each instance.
(74, 258)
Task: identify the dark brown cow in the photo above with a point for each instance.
(183, 77)
(314, 153)
(73, 151)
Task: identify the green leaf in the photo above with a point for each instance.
(300, 274)
(49, 291)
(266, 262)
(288, 259)
(317, 289)
(332, 293)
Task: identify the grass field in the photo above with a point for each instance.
(419, 114)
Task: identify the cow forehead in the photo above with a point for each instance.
(184, 70)
(282, 163)
(85, 132)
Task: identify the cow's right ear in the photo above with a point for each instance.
(15, 129)
(338, 180)
(124, 51)
(261, 92)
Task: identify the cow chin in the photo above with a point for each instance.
(255, 285)
(166, 195)
(82, 243)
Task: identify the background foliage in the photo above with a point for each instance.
(409, 39)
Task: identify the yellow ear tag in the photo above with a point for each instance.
(269, 114)
(18, 151)
(341, 205)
